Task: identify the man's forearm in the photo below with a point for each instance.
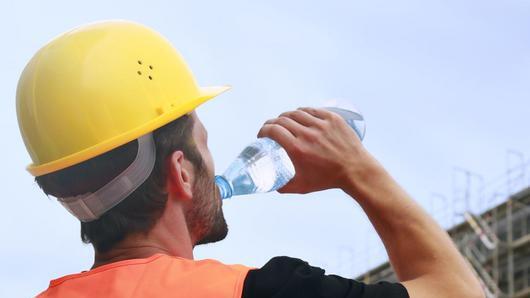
(417, 246)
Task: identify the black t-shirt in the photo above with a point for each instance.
(284, 277)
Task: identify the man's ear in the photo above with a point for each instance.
(179, 176)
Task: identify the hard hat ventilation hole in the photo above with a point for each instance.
(140, 72)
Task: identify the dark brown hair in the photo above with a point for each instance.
(139, 211)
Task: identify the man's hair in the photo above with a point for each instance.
(140, 210)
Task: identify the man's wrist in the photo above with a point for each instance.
(363, 176)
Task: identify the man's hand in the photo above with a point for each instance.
(326, 154)
(325, 151)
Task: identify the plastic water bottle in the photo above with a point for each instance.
(264, 166)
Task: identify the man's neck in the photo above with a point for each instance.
(132, 252)
(169, 236)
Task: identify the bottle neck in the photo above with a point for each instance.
(225, 189)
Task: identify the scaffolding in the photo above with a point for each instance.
(493, 233)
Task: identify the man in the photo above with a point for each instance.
(107, 114)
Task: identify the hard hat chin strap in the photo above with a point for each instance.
(90, 206)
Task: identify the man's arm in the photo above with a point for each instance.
(284, 277)
(425, 259)
(327, 154)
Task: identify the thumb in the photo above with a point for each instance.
(288, 188)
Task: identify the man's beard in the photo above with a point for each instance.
(205, 217)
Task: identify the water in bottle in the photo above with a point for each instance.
(264, 166)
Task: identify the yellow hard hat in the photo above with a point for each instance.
(98, 87)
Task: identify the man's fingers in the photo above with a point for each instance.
(323, 114)
(303, 118)
(293, 126)
(278, 133)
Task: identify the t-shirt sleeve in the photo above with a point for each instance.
(284, 277)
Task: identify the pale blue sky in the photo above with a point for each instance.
(441, 84)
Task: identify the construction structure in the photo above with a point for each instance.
(494, 236)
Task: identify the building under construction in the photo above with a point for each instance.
(495, 242)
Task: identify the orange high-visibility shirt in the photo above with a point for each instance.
(157, 276)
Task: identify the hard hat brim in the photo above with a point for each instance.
(166, 116)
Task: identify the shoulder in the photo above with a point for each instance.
(291, 277)
(208, 268)
(205, 263)
(168, 273)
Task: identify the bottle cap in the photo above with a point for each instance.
(353, 117)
